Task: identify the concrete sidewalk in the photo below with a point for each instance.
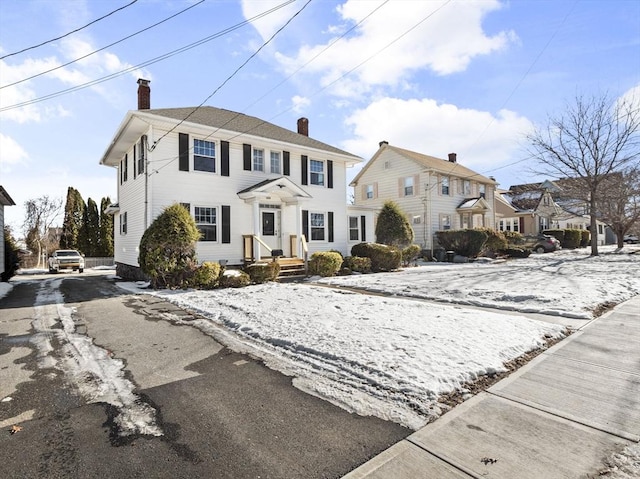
(560, 416)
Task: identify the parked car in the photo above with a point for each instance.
(542, 243)
(66, 259)
(631, 239)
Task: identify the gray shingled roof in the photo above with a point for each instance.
(241, 123)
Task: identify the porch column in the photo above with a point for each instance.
(299, 229)
(256, 227)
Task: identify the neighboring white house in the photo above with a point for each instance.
(435, 194)
(5, 200)
(252, 187)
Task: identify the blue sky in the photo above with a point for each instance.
(436, 76)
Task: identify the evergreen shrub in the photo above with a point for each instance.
(263, 272)
(572, 238)
(410, 254)
(383, 257)
(558, 234)
(206, 276)
(233, 278)
(585, 238)
(325, 263)
(467, 242)
(357, 264)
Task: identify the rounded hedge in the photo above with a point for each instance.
(325, 263)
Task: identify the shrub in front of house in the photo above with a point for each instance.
(513, 237)
(572, 238)
(325, 263)
(233, 278)
(585, 239)
(410, 254)
(205, 276)
(168, 248)
(263, 272)
(383, 257)
(496, 241)
(357, 264)
(393, 227)
(467, 242)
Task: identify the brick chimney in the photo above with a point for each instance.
(144, 94)
(303, 126)
(453, 158)
(383, 142)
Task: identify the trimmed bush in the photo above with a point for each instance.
(325, 263)
(468, 242)
(572, 238)
(496, 240)
(168, 248)
(205, 276)
(410, 253)
(585, 239)
(263, 272)
(513, 237)
(517, 252)
(383, 257)
(357, 264)
(393, 227)
(233, 278)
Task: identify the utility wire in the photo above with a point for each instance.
(251, 57)
(148, 62)
(70, 33)
(103, 48)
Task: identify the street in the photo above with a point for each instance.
(103, 384)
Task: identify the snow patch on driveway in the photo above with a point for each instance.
(97, 376)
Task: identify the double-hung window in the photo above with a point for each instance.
(369, 192)
(445, 185)
(445, 222)
(466, 187)
(206, 221)
(275, 162)
(123, 223)
(408, 186)
(354, 229)
(204, 155)
(317, 226)
(258, 159)
(482, 189)
(316, 172)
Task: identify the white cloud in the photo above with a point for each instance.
(482, 140)
(267, 25)
(12, 153)
(390, 48)
(300, 103)
(632, 97)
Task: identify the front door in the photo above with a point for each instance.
(270, 228)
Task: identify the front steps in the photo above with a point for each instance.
(290, 268)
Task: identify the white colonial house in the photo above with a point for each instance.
(5, 200)
(435, 194)
(254, 189)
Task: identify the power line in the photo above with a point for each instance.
(103, 48)
(148, 62)
(70, 33)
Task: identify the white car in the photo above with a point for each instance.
(66, 259)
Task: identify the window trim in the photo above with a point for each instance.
(355, 229)
(277, 171)
(123, 223)
(369, 192)
(322, 174)
(215, 224)
(255, 157)
(312, 227)
(445, 225)
(445, 179)
(408, 190)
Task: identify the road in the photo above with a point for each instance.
(104, 384)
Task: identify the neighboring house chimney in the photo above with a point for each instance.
(303, 126)
(144, 94)
(383, 142)
(453, 157)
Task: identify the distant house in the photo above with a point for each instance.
(254, 189)
(434, 193)
(550, 206)
(5, 200)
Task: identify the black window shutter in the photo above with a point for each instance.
(363, 228)
(330, 221)
(305, 169)
(246, 156)
(126, 167)
(183, 152)
(305, 224)
(226, 224)
(329, 174)
(135, 163)
(224, 158)
(286, 165)
(121, 170)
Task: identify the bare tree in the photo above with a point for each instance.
(41, 215)
(592, 139)
(619, 204)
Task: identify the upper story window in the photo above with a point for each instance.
(276, 163)
(445, 185)
(369, 192)
(466, 187)
(204, 156)
(206, 220)
(258, 159)
(316, 172)
(408, 186)
(482, 189)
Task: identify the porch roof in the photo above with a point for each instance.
(474, 204)
(282, 187)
